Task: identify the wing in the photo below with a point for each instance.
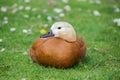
(82, 46)
(33, 48)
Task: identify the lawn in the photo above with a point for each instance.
(93, 20)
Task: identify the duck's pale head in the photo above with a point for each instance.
(62, 30)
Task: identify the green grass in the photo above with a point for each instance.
(101, 34)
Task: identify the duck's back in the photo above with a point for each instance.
(57, 52)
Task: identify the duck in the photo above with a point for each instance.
(59, 48)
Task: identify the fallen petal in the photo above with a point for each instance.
(20, 7)
(14, 10)
(26, 16)
(96, 13)
(98, 2)
(23, 79)
(57, 10)
(67, 8)
(115, 20)
(96, 49)
(34, 9)
(61, 15)
(45, 26)
(118, 23)
(26, 1)
(12, 29)
(5, 22)
(25, 31)
(25, 53)
(117, 10)
(49, 18)
(5, 18)
(65, 1)
(29, 31)
(1, 40)
(2, 50)
(27, 8)
(3, 9)
(39, 16)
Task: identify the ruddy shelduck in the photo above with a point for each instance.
(59, 48)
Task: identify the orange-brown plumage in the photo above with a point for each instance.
(57, 52)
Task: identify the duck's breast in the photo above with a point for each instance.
(54, 52)
(58, 52)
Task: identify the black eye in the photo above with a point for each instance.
(59, 27)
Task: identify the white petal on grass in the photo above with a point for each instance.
(117, 20)
(27, 8)
(61, 15)
(45, 25)
(98, 1)
(2, 50)
(56, 17)
(34, 9)
(26, 1)
(3, 9)
(20, 7)
(118, 24)
(67, 8)
(95, 1)
(5, 22)
(26, 16)
(23, 79)
(57, 10)
(12, 29)
(49, 18)
(65, 1)
(1, 40)
(91, 1)
(27, 31)
(5, 18)
(117, 10)
(25, 53)
(39, 16)
(96, 13)
(14, 10)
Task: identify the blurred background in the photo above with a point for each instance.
(96, 21)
